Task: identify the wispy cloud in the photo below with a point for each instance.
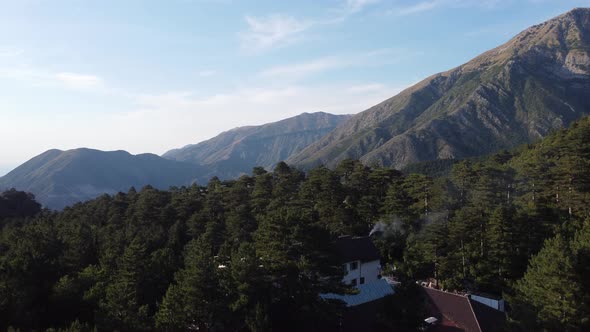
(353, 6)
(25, 74)
(419, 7)
(272, 31)
(78, 81)
(364, 88)
(39, 77)
(428, 5)
(294, 71)
(207, 73)
(303, 69)
(278, 30)
(10, 51)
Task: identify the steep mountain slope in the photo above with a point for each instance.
(237, 151)
(60, 178)
(516, 93)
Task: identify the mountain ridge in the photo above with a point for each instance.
(502, 98)
(516, 93)
(237, 151)
(60, 178)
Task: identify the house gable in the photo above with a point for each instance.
(350, 249)
(359, 258)
(463, 312)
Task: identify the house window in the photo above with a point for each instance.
(362, 280)
(353, 282)
(354, 266)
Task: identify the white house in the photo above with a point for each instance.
(360, 259)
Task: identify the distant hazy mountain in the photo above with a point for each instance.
(60, 178)
(237, 151)
(516, 93)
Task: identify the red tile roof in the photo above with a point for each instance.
(458, 313)
(453, 307)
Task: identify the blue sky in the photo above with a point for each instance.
(149, 76)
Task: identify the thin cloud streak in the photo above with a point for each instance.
(207, 73)
(295, 71)
(279, 30)
(78, 81)
(430, 5)
(419, 7)
(353, 6)
(364, 88)
(272, 31)
(37, 77)
(10, 52)
(306, 68)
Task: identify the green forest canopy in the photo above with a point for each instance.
(253, 254)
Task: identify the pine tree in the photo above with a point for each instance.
(323, 194)
(501, 254)
(123, 306)
(193, 301)
(551, 289)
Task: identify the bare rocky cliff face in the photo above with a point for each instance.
(516, 93)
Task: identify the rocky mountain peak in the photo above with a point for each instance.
(516, 93)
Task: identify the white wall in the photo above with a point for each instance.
(369, 270)
(351, 274)
(493, 303)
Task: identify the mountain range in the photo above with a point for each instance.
(237, 151)
(60, 178)
(517, 93)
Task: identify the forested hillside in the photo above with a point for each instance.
(253, 254)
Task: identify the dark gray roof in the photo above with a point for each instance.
(350, 249)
